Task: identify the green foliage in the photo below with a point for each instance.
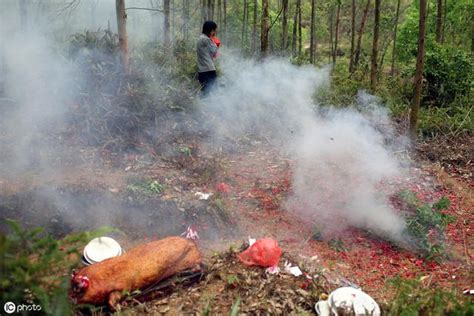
(449, 75)
(232, 280)
(87, 42)
(145, 187)
(316, 234)
(235, 307)
(337, 244)
(185, 150)
(36, 267)
(412, 298)
(426, 224)
(456, 119)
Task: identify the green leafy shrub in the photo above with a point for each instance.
(426, 224)
(449, 75)
(36, 267)
(102, 41)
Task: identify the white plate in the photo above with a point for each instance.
(101, 248)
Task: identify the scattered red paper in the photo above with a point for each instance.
(264, 252)
(223, 188)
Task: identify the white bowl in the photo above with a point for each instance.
(101, 248)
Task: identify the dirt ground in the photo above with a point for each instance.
(249, 186)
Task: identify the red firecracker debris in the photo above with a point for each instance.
(223, 188)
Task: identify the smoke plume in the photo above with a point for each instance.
(340, 156)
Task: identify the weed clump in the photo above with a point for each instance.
(412, 298)
(426, 224)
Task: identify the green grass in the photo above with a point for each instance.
(146, 187)
(412, 297)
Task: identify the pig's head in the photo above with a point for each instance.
(79, 286)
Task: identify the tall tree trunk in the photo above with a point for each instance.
(23, 15)
(351, 57)
(219, 12)
(203, 11)
(265, 29)
(394, 49)
(172, 19)
(166, 23)
(284, 26)
(208, 10)
(336, 35)
(254, 26)
(244, 26)
(472, 38)
(312, 44)
(300, 31)
(360, 33)
(443, 33)
(373, 68)
(331, 31)
(420, 58)
(295, 29)
(185, 19)
(122, 33)
(224, 14)
(439, 21)
(212, 9)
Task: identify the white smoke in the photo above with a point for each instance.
(340, 155)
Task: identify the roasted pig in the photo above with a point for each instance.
(137, 269)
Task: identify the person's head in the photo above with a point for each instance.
(209, 28)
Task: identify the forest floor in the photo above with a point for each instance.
(249, 185)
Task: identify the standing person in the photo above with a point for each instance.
(207, 47)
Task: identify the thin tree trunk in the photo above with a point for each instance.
(224, 13)
(166, 23)
(312, 44)
(212, 9)
(373, 68)
(208, 10)
(331, 42)
(443, 34)
(185, 19)
(203, 11)
(472, 38)
(394, 49)
(351, 58)
(254, 26)
(172, 19)
(439, 21)
(300, 32)
(219, 12)
(420, 58)
(295, 28)
(385, 44)
(284, 26)
(244, 26)
(360, 33)
(336, 35)
(265, 29)
(23, 15)
(122, 33)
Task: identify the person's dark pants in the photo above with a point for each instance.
(207, 80)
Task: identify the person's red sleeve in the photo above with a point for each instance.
(216, 41)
